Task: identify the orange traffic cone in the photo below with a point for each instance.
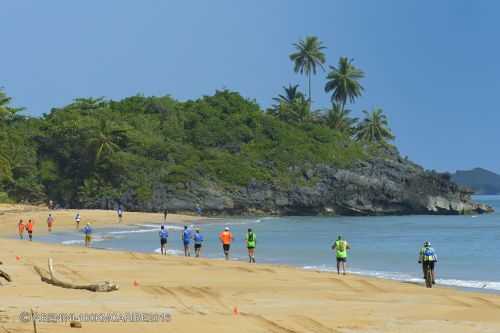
(136, 284)
(18, 258)
(235, 311)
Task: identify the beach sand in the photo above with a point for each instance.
(217, 296)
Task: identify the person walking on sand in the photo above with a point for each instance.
(20, 229)
(251, 240)
(78, 218)
(163, 240)
(50, 222)
(87, 230)
(165, 214)
(341, 246)
(198, 241)
(29, 229)
(226, 238)
(119, 212)
(186, 240)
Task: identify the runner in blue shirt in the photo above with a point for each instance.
(198, 241)
(163, 240)
(186, 239)
(87, 230)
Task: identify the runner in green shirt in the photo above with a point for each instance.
(251, 240)
(341, 246)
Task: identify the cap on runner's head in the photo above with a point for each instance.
(162, 226)
(185, 227)
(249, 229)
(339, 237)
(226, 228)
(427, 243)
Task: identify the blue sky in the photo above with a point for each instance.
(433, 66)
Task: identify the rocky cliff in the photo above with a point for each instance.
(387, 185)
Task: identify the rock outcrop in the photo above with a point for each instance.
(387, 185)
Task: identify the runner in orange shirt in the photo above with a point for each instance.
(226, 238)
(29, 228)
(20, 227)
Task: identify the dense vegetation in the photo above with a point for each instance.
(95, 148)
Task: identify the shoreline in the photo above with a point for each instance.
(100, 220)
(218, 296)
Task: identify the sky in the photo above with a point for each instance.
(432, 65)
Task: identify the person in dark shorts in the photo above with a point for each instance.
(163, 240)
(251, 240)
(341, 246)
(226, 238)
(186, 240)
(198, 241)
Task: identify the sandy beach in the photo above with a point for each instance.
(214, 295)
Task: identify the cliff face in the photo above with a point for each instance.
(381, 186)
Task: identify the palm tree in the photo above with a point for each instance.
(374, 128)
(6, 112)
(343, 82)
(291, 94)
(339, 119)
(307, 57)
(292, 106)
(105, 138)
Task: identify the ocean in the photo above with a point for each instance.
(468, 247)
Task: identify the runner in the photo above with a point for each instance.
(186, 239)
(163, 240)
(120, 214)
(199, 211)
(341, 246)
(251, 240)
(165, 214)
(29, 228)
(77, 220)
(20, 228)
(87, 230)
(198, 241)
(50, 221)
(226, 238)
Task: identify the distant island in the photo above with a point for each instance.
(479, 180)
(223, 154)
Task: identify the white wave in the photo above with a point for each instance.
(72, 241)
(81, 241)
(157, 226)
(488, 285)
(171, 252)
(139, 231)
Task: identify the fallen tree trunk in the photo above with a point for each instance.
(50, 278)
(5, 276)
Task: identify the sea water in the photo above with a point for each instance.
(468, 247)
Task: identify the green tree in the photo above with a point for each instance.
(307, 57)
(106, 138)
(374, 128)
(292, 93)
(339, 119)
(343, 82)
(6, 111)
(292, 106)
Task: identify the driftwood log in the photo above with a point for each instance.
(50, 278)
(5, 276)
